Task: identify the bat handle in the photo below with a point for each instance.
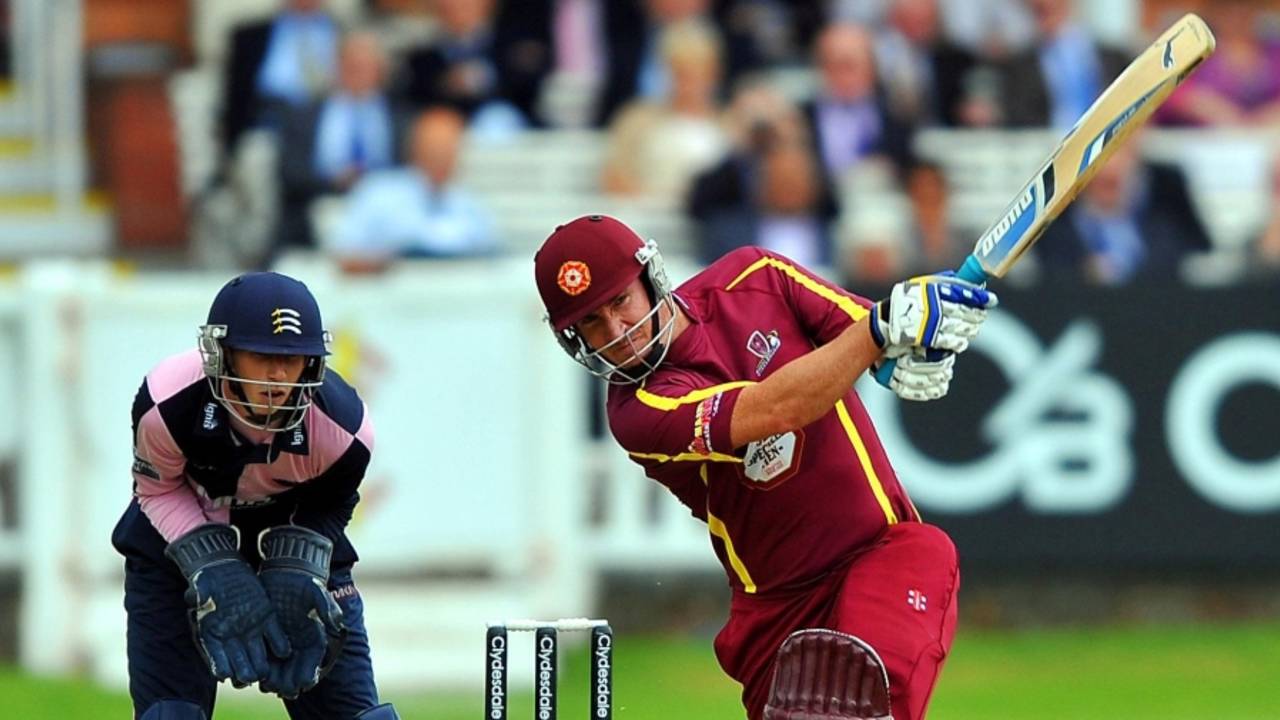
(972, 271)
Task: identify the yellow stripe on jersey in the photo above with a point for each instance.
(717, 528)
(685, 457)
(667, 404)
(861, 449)
(851, 308)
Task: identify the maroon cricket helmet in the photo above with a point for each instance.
(585, 263)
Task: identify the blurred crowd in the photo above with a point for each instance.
(789, 124)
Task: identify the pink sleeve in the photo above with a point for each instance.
(159, 483)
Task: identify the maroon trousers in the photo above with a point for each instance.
(898, 595)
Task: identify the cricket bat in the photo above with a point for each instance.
(1119, 110)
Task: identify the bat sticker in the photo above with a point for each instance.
(1012, 226)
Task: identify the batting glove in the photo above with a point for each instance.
(931, 312)
(920, 376)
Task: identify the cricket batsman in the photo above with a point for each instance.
(248, 454)
(735, 392)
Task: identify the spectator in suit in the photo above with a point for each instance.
(849, 120)
(770, 190)
(275, 64)
(418, 210)
(329, 144)
(796, 205)
(656, 147)
(1240, 83)
(1134, 221)
(490, 71)
(922, 72)
(1055, 81)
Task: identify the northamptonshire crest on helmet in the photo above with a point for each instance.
(285, 320)
(574, 277)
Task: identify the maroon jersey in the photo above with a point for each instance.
(784, 510)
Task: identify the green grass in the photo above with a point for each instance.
(1228, 672)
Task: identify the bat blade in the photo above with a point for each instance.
(1119, 110)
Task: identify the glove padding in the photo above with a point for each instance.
(920, 376)
(294, 572)
(231, 616)
(933, 312)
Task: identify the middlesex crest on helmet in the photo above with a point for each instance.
(574, 277)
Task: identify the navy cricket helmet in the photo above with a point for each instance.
(270, 314)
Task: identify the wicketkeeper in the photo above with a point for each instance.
(248, 453)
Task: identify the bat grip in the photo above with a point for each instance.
(971, 271)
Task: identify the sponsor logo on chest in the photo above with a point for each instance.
(763, 347)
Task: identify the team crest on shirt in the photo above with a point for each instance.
(574, 277)
(764, 347)
(771, 461)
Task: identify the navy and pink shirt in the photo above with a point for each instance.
(781, 511)
(194, 463)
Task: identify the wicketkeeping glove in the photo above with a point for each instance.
(920, 376)
(933, 312)
(231, 617)
(295, 570)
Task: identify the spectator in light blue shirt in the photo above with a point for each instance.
(302, 54)
(274, 65)
(328, 145)
(417, 210)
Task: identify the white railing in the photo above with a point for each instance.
(10, 437)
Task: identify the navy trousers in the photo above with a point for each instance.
(164, 663)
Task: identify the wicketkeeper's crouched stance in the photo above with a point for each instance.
(735, 392)
(247, 459)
